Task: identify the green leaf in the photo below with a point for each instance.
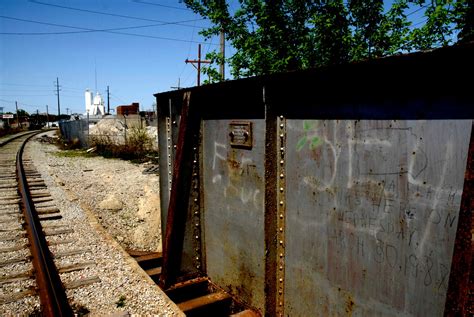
(301, 143)
(315, 141)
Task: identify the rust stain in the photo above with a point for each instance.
(349, 305)
(233, 164)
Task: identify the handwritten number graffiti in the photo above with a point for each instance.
(429, 266)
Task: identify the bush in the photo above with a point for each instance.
(8, 130)
(137, 146)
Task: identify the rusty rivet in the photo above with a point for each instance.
(281, 175)
(280, 291)
(282, 149)
(195, 200)
(281, 162)
(194, 148)
(197, 237)
(281, 117)
(195, 174)
(281, 229)
(281, 189)
(281, 216)
(194, 161)
(281, 304)
(197, 258)
(169, 138)
(281, 255)
(281, 241)
(281, 280)
(198, 267)
(281, 202)
(197, 224)
(174, 122)
(281, 267)
(169, 155)
(282, 125)
(174, 146)
(282, 135)
(196, 212)
(169, 172)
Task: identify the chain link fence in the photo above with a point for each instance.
(111, 130)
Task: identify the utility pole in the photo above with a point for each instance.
(67, 111)
(57, 92)
(222, 66)
(198, 62)
(108, 100)
(47, 116)
(17, 115)
(177, 88)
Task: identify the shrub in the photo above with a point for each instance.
(137, 145)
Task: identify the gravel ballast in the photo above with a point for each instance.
(79, 187)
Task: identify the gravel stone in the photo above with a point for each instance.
(78, 186)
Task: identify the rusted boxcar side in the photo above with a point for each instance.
(338, 191)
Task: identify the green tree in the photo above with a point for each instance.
(463, 18)
(285, 35)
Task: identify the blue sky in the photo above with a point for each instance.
(134, 67)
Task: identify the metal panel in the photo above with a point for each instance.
(165, 158)
(372, 210)
(168, 120)
(234, 211)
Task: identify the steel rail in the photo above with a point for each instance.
(52, 295)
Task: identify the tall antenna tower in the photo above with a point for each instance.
(95, 71)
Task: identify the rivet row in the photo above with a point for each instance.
(281, 216)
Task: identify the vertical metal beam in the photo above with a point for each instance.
(164, 160)
(179, 198)
(459, 279)
(271, 207)
(281, 217)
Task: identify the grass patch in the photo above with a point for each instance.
(74, 153)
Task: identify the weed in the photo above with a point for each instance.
(121, 301)
(80, 310)
(137, 146)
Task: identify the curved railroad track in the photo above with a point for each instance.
(30, 224)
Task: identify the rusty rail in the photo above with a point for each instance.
(52, 295)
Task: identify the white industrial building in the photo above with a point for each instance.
(94, 104)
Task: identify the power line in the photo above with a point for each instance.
(88, 30)
(25, 90)
(417, 10)
(84, 30)
(36, 85)
(418, 23)
(180, 23)
(25, 95)
(161, 5)
(21, 103)
(189, 52)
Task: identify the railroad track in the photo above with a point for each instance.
(33, 239)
